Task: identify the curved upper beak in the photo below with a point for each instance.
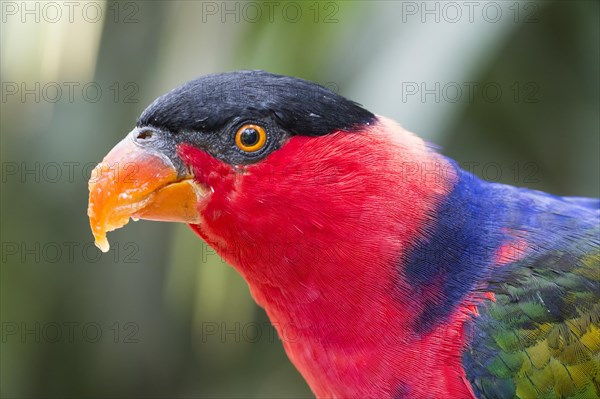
(140, 183)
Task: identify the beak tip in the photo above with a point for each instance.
(102, 244)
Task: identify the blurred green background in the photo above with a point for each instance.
(511, 94)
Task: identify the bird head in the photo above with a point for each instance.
(284, 178)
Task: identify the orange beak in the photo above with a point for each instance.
(140, 183)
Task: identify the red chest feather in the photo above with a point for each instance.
(319, 229)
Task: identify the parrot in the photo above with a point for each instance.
(400, 274)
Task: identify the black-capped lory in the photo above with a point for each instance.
(402, 275)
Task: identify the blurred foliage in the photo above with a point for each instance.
(162, 278)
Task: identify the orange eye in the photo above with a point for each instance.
(250, 138)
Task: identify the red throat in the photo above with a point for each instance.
(319, 229)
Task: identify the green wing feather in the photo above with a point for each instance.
(540, 338)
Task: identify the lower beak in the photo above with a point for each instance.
(139, 183)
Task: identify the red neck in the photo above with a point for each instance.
(319, 230)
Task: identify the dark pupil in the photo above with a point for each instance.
(249, 137)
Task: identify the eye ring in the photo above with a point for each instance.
(250, 137)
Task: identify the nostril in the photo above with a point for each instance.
(143, 135)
